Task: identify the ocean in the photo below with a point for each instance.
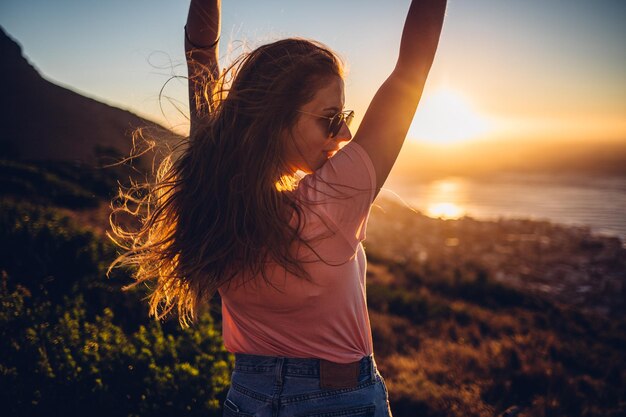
(598, 202)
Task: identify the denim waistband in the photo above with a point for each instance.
(245, 362)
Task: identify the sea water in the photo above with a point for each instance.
(595, 201)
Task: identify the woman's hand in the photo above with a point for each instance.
(390, 113)
(202, 33)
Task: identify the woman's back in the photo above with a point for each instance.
(327, 317)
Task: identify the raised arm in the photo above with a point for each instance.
(390, 113)
(202, 33)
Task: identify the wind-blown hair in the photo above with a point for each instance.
(223, 206)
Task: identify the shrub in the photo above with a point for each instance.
(72, 343)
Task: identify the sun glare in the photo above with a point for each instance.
(444, 211)
(446, 117)
(444, 198)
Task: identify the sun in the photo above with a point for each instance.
(446, 117)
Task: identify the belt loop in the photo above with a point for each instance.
(279, 370)
(372, 368)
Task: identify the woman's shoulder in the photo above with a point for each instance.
(348, 173)
(340, 194)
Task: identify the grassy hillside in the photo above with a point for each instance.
(73, 344)
(468, 346)
(450, 337)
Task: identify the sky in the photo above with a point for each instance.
(505, 69)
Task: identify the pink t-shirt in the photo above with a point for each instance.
(328, 318)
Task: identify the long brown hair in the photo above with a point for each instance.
(222, 206)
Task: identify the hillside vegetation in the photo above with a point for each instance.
(450, 339)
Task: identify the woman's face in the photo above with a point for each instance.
(308, 145)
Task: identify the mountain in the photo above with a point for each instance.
(44, 121)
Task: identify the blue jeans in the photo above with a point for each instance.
(271, 386)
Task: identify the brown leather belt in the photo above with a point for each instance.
(339, 375)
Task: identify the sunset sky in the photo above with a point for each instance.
(504, 69)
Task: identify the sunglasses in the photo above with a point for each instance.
(335, 121)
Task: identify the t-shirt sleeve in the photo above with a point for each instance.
(342, 191)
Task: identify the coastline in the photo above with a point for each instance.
(566, 264)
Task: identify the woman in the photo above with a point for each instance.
(234, 214)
